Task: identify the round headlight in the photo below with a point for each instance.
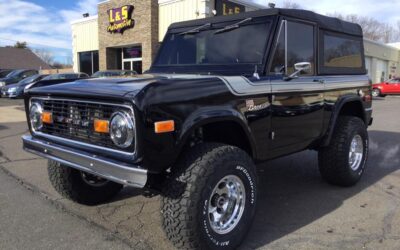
(122, 129)
(35, 116)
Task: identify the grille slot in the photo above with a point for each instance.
(74, 120)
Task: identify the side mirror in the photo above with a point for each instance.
(301, 67)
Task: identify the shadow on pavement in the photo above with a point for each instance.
(292, 193)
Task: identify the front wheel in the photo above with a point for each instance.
(79, 186)
(376, 93)
(343, 161)
(210, 201)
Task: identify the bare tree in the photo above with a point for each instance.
(21, 45)
(372, 28)
(45, 55)
(291, 5)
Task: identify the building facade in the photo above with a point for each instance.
(126, 34)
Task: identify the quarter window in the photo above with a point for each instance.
(341, 52)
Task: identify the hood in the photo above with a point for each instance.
(98, 87)
(15, 85)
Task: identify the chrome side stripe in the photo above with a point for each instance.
(240, 85)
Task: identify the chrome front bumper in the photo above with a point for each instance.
(123, 173)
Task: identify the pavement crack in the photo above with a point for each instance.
(9, 136)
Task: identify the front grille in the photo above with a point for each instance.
(74, 120)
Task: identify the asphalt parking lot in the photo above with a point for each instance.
(296, 209)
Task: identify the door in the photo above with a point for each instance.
(132, 59)
(392, 86)
(297, 104)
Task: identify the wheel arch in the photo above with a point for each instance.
(222, 126)
(348, 105)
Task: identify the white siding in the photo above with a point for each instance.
(179, 10)
(85, 37)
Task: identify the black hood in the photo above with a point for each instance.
(97, 87)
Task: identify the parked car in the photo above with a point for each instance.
(17, 90)
(223, 94)
(66, 76)
(114, 73)
(4, 73)
(57, 79)
(16, 76)
(389, 87)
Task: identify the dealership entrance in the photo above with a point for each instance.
(132, 58)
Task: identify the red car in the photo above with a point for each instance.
(389, 87)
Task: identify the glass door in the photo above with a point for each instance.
(132, 59)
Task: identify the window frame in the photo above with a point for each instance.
(283, 23)
(323, 70)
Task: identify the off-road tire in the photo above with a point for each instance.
(69, 183)
(334, 159)
(187, 191)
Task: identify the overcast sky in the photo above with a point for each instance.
(46, 23)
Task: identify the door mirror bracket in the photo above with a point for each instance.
(301, 67)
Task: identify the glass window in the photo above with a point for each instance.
(137, 66)
(95, 62)
(85, 62)
(300, 48)
(89, 62)
(133, 52)
(300, 45)
(243, 45)
(394, 81)
(341, 52)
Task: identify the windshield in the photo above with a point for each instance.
(240, 44)
(29, 79)
(14, 73)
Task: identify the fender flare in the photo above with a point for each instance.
(209, 115)
(335, 114)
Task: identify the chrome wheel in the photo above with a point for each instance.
(375, 93)
(93, 180)
(226, 204)
(356, 152)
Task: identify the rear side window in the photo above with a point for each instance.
(341, 54)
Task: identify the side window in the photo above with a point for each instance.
(31, 73)
(342, 52)
(300, 45)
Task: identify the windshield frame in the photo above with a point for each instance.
(228, 69)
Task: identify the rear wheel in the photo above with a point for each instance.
(209, 202)
(79, 186)
(343, 161)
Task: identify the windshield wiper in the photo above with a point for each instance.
(233, 26)
(195, 30)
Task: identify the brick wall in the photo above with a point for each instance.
(145, 32)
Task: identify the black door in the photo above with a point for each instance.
(297, 104)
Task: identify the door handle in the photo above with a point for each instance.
(322, 81)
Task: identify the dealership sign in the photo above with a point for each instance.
(120, 19)
(226, 7)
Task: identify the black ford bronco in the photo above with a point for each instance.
(223, 94)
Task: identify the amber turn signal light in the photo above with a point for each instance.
(47, 117)
(164, 126)
(101, 126)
